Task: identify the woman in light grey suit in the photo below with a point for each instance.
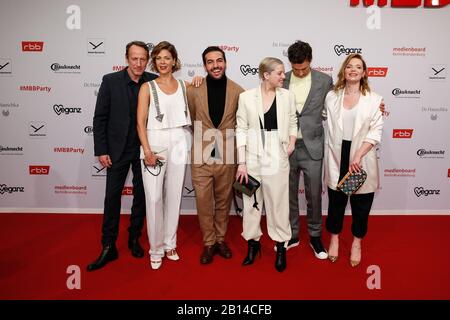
(354, 127)
(266, 131)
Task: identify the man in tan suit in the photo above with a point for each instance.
(213, 107)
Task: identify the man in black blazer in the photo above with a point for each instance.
(116, 144)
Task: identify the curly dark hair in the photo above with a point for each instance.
(299, 52)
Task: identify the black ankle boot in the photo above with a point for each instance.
(109, 253)
(254, 247)
(280, 257)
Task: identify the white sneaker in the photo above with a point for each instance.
(172, 255)
(318, 249)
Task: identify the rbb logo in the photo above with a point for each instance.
(377, 71)
(36, 46)
(45, 170)
(127, 191)
(402, 133)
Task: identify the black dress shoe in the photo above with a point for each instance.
(223, 250)
(254, 248)
(280, 258)
(207, 254)
(109, 253)
(135, 248)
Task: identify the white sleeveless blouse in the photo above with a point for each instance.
(173, 109)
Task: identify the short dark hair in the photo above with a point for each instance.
(139, 44)
(299, 52)
(211, 49)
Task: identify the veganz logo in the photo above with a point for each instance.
(402, 133)
(39, 170)
(403, 3)
(420, 191)
(5, 189)
(340, 49)
(32, 46)
(377, 72)
(246, 69)
(59, 109)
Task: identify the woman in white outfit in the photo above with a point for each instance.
(355, 126)
(265, 137)
(162, 122)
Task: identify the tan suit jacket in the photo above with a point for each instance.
(205, 139)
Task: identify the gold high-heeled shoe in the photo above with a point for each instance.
(354, 263)
(332, 258)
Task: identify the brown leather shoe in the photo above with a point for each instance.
(224, 250)
(207, 254)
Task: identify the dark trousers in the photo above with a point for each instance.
(115, 181)
(337, 202)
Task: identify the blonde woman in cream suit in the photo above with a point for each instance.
(355, 125)
(266, 131)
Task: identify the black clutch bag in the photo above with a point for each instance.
(248, 188)
(351, 182)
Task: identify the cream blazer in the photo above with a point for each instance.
(368, 128)
(250, 114)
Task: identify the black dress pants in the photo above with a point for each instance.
(115, 182)
(337, 202)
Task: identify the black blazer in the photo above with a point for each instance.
(112, 114)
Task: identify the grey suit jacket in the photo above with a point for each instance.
(310, 119)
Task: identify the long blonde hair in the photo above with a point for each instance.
(363, 83)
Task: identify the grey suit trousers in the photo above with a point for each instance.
(300, 160)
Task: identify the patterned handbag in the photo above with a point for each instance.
(351, 182)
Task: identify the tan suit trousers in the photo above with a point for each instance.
(213, 185)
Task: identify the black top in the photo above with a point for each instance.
(270, 117)
(216, 98)
(133, 92)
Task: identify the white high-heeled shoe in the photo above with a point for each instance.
(172, 255)
(156, 264)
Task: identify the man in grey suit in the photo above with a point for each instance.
(310, 88)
